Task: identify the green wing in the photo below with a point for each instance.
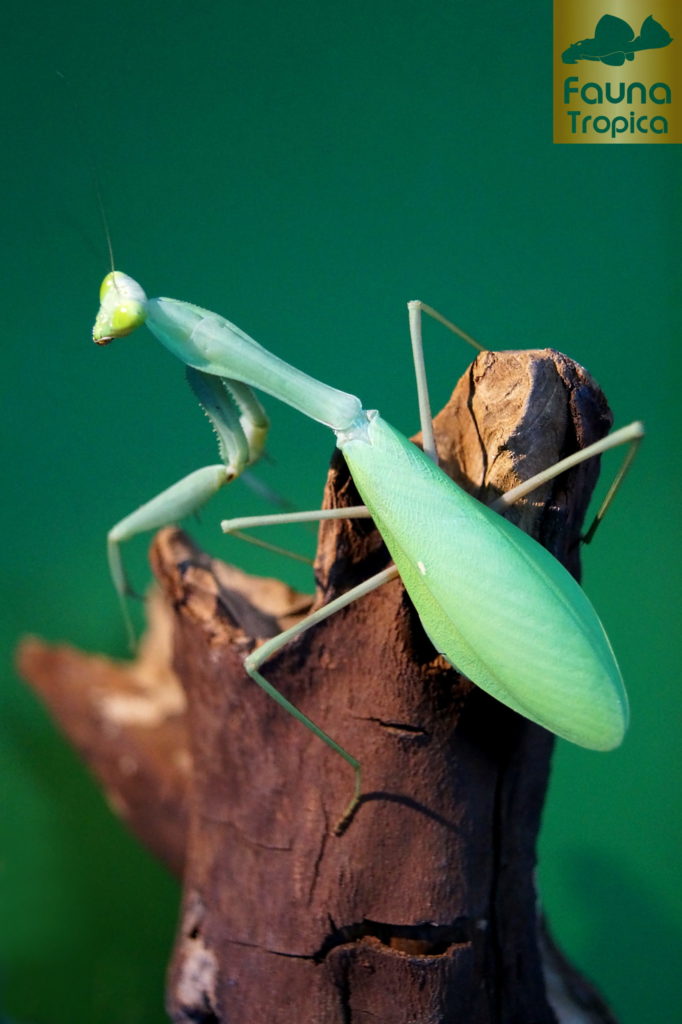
(498, 606)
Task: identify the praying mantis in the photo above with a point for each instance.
(506, 589)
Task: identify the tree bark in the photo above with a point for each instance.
(424, 910)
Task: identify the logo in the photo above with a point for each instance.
(614, 42)
(613, 84)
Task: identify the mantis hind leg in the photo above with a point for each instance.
(630, 435)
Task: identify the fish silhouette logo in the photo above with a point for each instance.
(615, 42)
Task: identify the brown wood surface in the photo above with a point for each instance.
(424, 911)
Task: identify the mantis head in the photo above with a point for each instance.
(123, 307)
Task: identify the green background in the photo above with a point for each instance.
(305, 169)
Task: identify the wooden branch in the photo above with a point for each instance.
(424, 910)
(128, 723)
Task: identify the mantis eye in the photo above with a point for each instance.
(123, 307)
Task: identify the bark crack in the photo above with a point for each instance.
(419, 940)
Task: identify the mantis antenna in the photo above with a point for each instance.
(86, 145)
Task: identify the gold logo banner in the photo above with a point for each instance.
(618, 71)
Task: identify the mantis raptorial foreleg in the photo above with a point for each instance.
(241, 426)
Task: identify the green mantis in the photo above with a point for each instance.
(506, 586)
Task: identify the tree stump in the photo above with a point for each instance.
(424, 910)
